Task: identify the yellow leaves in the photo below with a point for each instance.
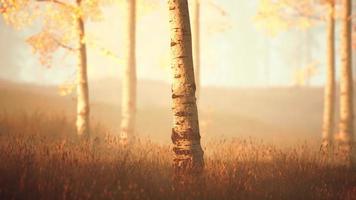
(304, 23)
(18, 13)
(269, 17)
(68, 86)
(275, 16)
(59, 26)
(104, 51)
(5, 15)
(59, 18)
(302, 75)
(66, 89)
(111, 55)
(273, 25)
(92, 9)
(43, 44)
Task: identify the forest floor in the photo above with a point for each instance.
(42, 158)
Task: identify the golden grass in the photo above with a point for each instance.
(42, 159)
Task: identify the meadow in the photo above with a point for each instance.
(42, 158)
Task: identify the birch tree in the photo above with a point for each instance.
(196, 43)
(329, 89)
(188, 154)
(287, 14)
(62, 27)
(346, 90)
(83, 108)
(128, 106)
(196, 36)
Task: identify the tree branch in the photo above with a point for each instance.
(64, 46)
(302, 13)
(218, 8)
(61, 3)
(309, 16)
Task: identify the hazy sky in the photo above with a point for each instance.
(234, 52)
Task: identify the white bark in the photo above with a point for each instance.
(82, 83)
(346, 93)
(196, 44)
(329, 93)
(128, 105)
(185, 133)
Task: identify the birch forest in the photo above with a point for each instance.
(177, 99)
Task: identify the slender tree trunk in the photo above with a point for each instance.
(353, 32)
(129, 79)
(329, 93)
(185, 133)
(346, 98)
(196, 45)
(82, 83)
(354, 63)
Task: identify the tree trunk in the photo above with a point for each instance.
(353, 31)
(82, 83)
(196, 45)
(329, 90)
(353, 61)
(346, 103)
(128, 106)
(185, 133)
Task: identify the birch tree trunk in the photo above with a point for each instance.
(353, 47)
(329, 90)
(82, 82)
(188, 154)
(128, 106)
(346, 98)
(196, 45)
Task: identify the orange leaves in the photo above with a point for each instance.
(275, 16)
(57, 19)
(61, 21)
(303, 23)
(66, 89)
(269, 17)
(18, 13)
(302, 75)
(104, 51)
(90, 9)
(43, 44)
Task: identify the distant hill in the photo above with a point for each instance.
(281, 115)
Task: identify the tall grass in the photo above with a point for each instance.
(41, 158)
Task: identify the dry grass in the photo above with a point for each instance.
(42, 159)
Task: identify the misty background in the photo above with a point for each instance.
(247, 75)
(234, 52)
